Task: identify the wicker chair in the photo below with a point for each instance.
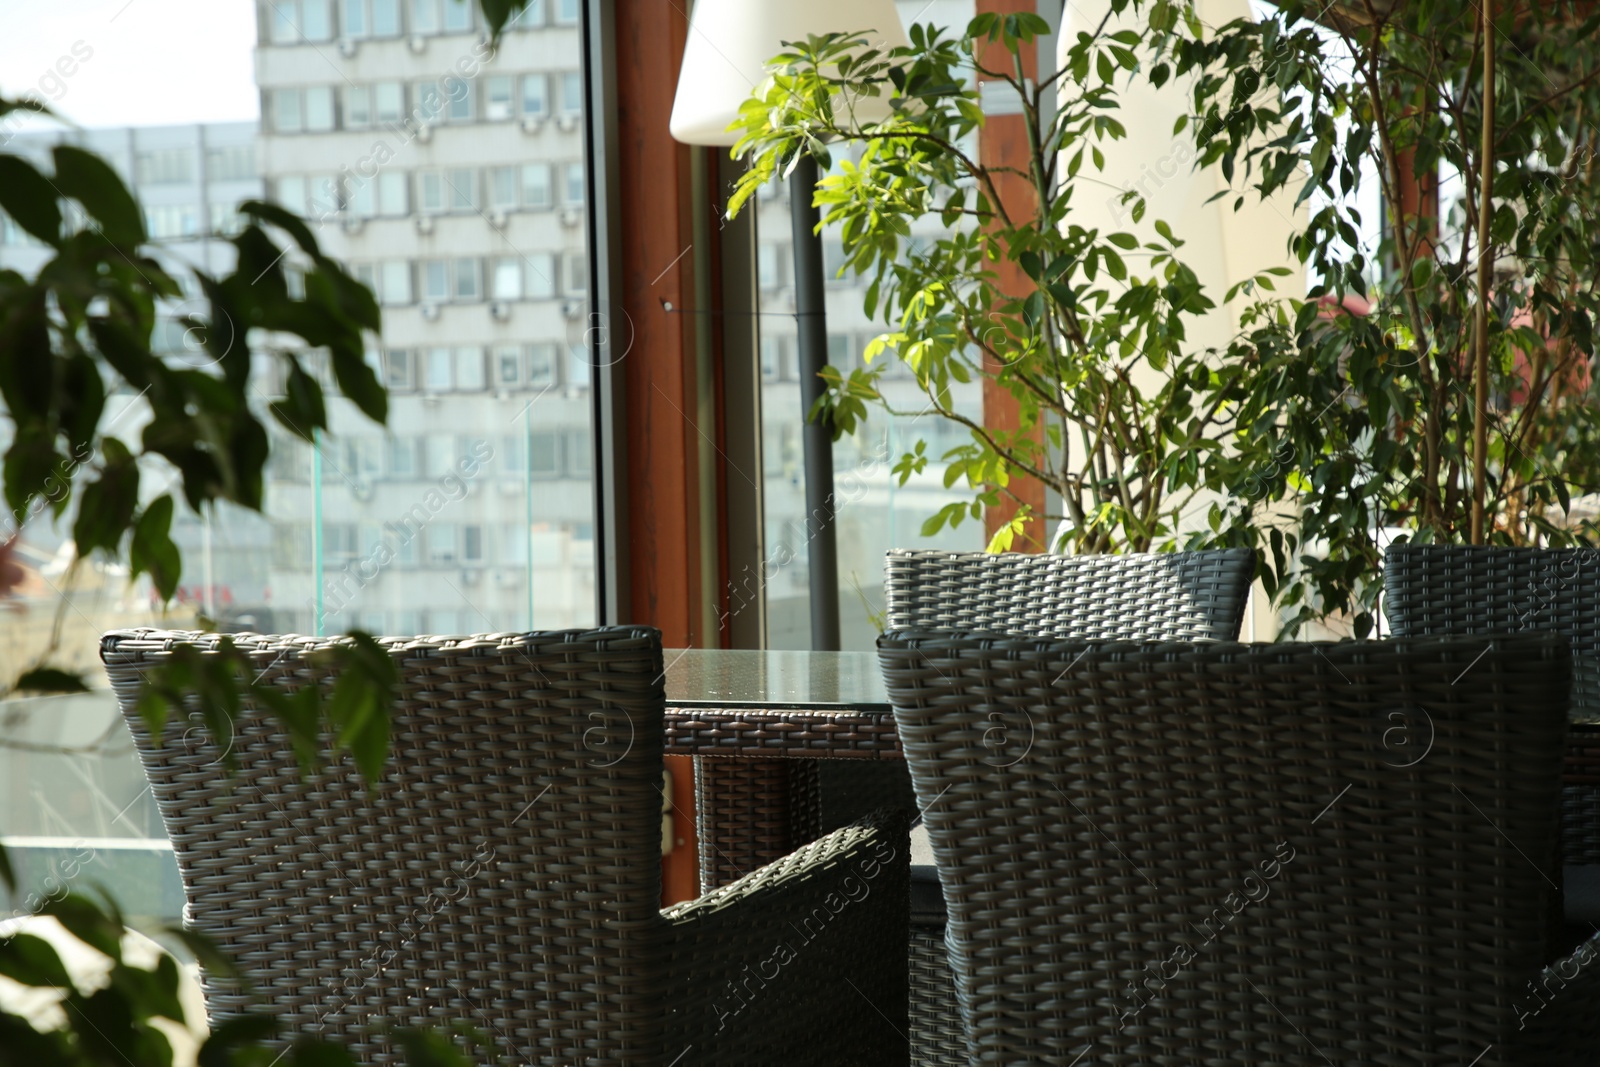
(506, 871)
(1456, 589)
(1222, 854)
(1177, 596)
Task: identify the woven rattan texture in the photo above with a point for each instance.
(1463, 589)
(505, 873)
(1222, 854)
(743, 813)
(1176, 596)
(936, 1036)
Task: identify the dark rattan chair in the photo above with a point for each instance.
(1215, 853)
(506, 871)
(1178, 596)
(1462, 589)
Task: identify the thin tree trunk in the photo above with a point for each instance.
(1480, 414)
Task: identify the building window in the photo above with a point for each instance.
(438, 380)
(402, 450)
(435, 281)
(542, 359)
(430, 192)
(442, 547)
(399, 374)
(319, 108)
(833, 262)
(536, 191)
(224, 220)
(576, 281)
(769, 265)
(316, 21)
(576, 185)
(578, 463)
(357, 107)
(572, 91)
(540, 276)
(231, 163)
(463, 189)
(458, 99)
(467, 282)
(284, 19)
(165, 166)
(507, 366)
(388, 101)
(535, 95)
(359, 196)
(429, 103)
(472, 544)
(544, 454)
(530, 17)
(514, 535)
(391, 193)
(324, 198)
(394, 278)
(353, 17)
(469, 369)
(366, 274)
(503, 189)
(498, 104)
(424, 16)
(507, 284)
(441, 453)
(457, 16)
(567, 12)
(291, 193)
(287, 113)
(172, 220)
(385, 18)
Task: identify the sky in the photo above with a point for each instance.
(132, 62)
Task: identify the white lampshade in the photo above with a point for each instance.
(730, 42)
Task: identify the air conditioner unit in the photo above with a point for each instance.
(505, 578)
(572, 308)
(498, 219)
(361, 489)
(500, 310)
(567, 121)
(353, 224)
(424, 223)
(571, 216)
(424, 133)
(430, 311)
(347, 47)
(418, 43)
(470, 576)
(532, 123)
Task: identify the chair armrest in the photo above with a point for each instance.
(764, 966)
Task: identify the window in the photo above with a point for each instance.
(291, 193)
(463, 189)
(576, 281)
(165, 166)
(507, 284)
(430, 191)
(391, 193)
(400, 374)
(441, 549)
(572, 91)
(457, 16)
(575, 183)
(438, 380)
(469, 369)
(429, 104)
(540, 276)
(388, 101)
(503, 189)
(319, 108)
(578, 462)
(769, 265)
(316, 21)
(507, 365)
(284, 16)
(366, 274)
(542, 364)
(458, 99)
(567, 12)
(472, 544)
(359, 196)
(514, 535)
(385, 18)
(833, 262)
(324, 201)
(339, 540)
(353, 14)
(394, 278)
(402, 450)
(544, 454)
(441, 452)
(498, 104)
(435, 281)
(231, 163)
(529, 17)
(224, 220)
(172, 220)
(466, 280)
(536, 192)
(424, 16)
(287, 115)
(535, 95)
(357, 107)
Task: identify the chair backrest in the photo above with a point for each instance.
(1239, 853)
(504, 873)
(1176, 596)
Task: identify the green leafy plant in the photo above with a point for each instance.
(1119, 414)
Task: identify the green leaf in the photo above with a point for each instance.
(50, 680)
(7, 875)
(90, 180)
(85, 921)
(32, 961)
(29, 198)
(286, 221)
(153, 551)
(236, 1033)
(1125, 241)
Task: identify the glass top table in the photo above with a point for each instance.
(737, 678)
(778, 705)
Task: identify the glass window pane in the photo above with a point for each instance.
(541, 275)
(470, 369)
(285, 15)
(424, 16)
(572, 91)
(472, 544)
(542, 360)
(315, 20)
(507, 279)
(466, 278)
(436, 280)
(544, 454)
(430, 194)
(391, 192)
(463, 185)
(535, 94)
(385, 17)
(577, 280)
(360, 193)
(536, 185)
(457, 16)
(291, 192)
(319, 108)
(388, 101)
(507, 365)
(575, 183)
(354, 13)
(395, 275)
(458, 99)
(567, 12)
(286, 113)
(437, 381)
(398, 373)
(357, 107)
(429, 103)
(498, 104)
(503, 188)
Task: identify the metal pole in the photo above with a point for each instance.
(816, 436)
